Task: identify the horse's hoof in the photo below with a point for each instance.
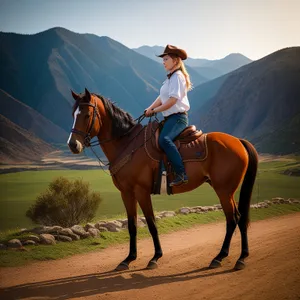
(122, 267)
(152, 265)
(240, 265)
(215, 264)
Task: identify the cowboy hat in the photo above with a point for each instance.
(175, 51)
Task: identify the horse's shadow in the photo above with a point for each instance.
(97, 284)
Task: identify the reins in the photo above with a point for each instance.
(90, 144)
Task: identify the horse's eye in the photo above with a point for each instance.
(87, 115)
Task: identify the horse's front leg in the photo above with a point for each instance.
(131, 208)
(144, 199)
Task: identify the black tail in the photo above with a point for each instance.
(248, 183)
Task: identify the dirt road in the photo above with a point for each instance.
(272, 272)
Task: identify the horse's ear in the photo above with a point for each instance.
(75, 96)
(87, 95)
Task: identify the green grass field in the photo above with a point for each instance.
(19, 191)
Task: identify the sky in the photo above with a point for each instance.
(208, 29)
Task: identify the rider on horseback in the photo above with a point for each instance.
(174, 104)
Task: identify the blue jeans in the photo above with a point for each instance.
(173, 126)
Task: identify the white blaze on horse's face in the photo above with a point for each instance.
(74, 144)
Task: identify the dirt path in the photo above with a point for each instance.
(273, 269)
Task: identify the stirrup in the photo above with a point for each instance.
(179, 180)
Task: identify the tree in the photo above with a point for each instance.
(65, 203)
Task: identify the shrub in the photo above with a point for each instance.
(65, 203)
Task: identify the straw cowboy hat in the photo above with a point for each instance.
(175, 51)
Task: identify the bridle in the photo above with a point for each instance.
(87, 135)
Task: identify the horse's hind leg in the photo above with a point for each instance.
(131, 209)
(240, 264)
(232, 218)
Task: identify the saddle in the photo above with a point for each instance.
(191, 144)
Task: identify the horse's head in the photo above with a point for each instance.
(87, 121)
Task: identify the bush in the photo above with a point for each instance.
(65, 203)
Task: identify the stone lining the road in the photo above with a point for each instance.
(50, 235)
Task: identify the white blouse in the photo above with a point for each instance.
(175, 87)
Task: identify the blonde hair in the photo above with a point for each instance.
(180, 64)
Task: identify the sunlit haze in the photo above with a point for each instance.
(205, 29)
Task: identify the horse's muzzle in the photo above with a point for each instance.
(75, 147)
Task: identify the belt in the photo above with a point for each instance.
(179, 113)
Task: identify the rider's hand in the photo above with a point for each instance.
(149, 112)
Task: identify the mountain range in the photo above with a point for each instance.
(38, 71)
(209, 69)
(259, 102)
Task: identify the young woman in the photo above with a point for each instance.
(174, 104)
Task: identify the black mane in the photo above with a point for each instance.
(122, 121)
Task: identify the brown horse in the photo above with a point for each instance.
(229, 162)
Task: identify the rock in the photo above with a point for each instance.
(100, 224)
(66, 231)
(47, 239)
(34, 238)
(167, 214)
(287, 201)
(296, 201)
(14, 243)
(74, 237)
(218, 206)
(143, 219)
(93, 232)
(275, 202)
(210, 208)
(79, 230)
(102, 229)
(278, 200)
(62, 238)
(157, 218)
(88, 226)
(29, 242)
(113, 226)
(268, 202)
(184, 210)
(124, 222)
(140, 223)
